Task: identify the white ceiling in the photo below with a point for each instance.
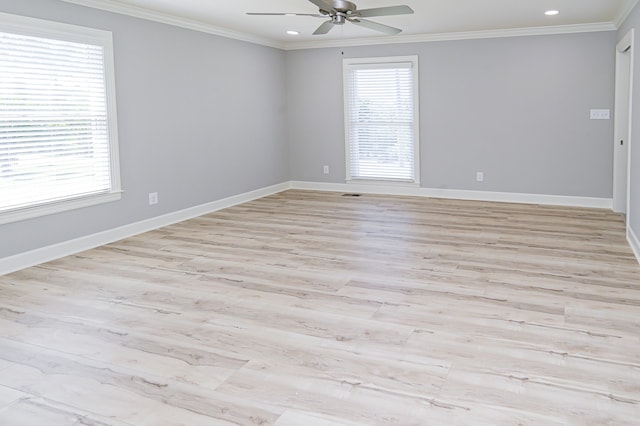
(439, 19)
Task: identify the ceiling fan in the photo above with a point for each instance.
(341, 11)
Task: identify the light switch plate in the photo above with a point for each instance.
(600, 114)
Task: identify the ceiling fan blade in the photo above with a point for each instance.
(383, 11)
(376, 26)
(315, 15)
(324, 28)
(322, 5)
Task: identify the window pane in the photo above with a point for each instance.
(54, 138)
(380, 114)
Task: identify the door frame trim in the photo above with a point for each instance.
(625, 44)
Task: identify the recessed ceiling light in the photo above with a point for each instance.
(551, 12)
(289, 14)
(291, 32)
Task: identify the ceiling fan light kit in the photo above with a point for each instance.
(342, 11)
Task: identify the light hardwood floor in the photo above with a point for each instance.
(309, 308)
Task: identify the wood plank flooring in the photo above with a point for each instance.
(309, 308)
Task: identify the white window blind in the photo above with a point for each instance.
(381, 119)
(57, 138)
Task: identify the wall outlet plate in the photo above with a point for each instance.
(153, 198)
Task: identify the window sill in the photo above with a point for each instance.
(57, 207)
(374, 182)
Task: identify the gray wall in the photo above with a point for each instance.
(515, 108)
(200, 118)
(633, 21)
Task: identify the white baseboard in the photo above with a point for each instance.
(634, 242)
(505, 197)
(56, 251)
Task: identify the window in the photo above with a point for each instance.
(381, 107)
(58, 136)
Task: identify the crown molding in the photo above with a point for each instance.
(624, 13)
(139, 12)
(467, 35)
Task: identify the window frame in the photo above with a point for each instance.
(348, 63)
(46, 29)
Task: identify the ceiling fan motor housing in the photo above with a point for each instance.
(344, 6)
(341, 11)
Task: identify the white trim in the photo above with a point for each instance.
(176, 21)
(44, 28)
(634, 242)
(112, 114)
(466, 35)
(625, 44)
(383, 62)
(52, 30)
(624, 13)
(384, 182)
(58, 207)
(139, 12)
(56, 251)
(458, 194)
